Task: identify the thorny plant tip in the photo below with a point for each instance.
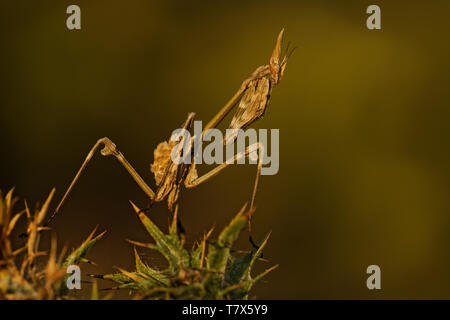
(28, 272)
(211, 269)
(207, 271)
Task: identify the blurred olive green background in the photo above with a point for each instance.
(363, 118)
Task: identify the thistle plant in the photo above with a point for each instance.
(208, 271)
(28, 272)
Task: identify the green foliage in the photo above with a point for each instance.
(79, 254)
(192, 274)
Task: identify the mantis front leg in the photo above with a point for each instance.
(192, 180)
(109, 149)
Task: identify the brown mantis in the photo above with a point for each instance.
(253, 97)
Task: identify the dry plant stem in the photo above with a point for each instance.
(21, 276)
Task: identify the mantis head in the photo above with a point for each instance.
(276, 67)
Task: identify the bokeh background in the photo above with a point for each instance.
(363, 118)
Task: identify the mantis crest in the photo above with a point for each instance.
(253, 98)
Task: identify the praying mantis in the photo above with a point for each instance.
(253, 97)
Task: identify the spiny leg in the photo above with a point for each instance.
(109, 149)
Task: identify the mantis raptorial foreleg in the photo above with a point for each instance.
(109, 149)
(192, 181)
